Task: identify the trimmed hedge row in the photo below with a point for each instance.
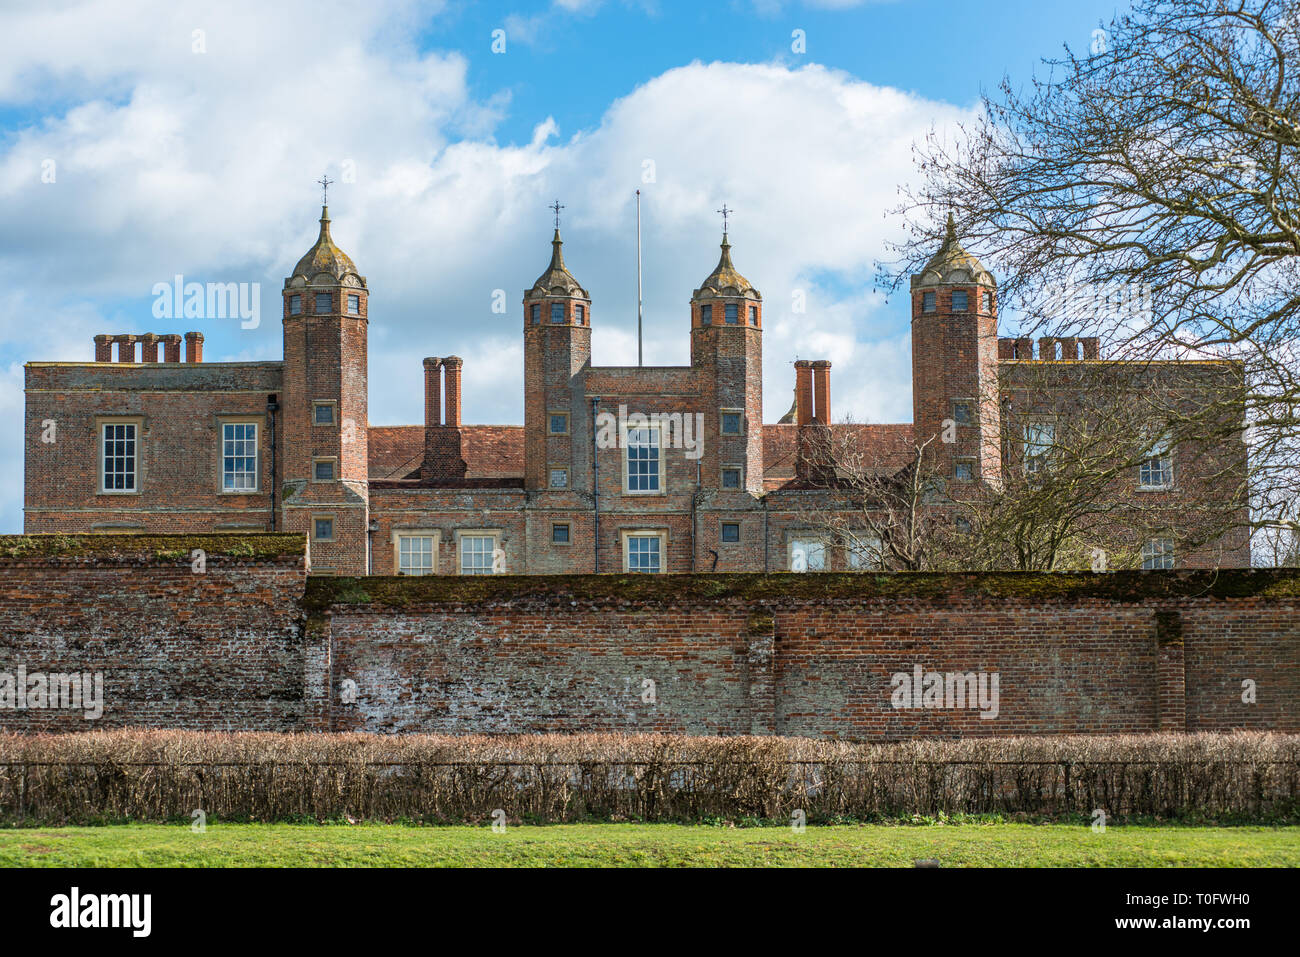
(166, 775)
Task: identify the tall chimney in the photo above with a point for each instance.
(452, 364)
(822, 390)
(103, 348)
(803, 391)
(193, 347)
(149, 347)
(171, 347)
(432, 393)
(125, 347)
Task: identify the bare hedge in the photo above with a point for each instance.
(166, 775)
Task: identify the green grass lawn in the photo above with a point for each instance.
(648, 845)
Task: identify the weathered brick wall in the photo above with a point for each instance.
(814, 655)
(251, 643)
(217, 649)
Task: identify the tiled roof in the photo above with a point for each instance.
(489, 451)
(887, 448)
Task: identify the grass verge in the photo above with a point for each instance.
(647, 845)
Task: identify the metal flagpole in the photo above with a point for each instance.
(638, 277)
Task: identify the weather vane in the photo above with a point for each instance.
(324, 189)
(725, 212)
(557, 207)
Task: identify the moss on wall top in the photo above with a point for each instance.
(1124, 586)
(152, 548)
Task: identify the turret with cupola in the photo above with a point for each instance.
(727, 345)
(955, 363)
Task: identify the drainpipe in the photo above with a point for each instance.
(695, 498)
(272, 404)
(765, 514)
(595, 488)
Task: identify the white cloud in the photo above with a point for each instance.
(171, 162)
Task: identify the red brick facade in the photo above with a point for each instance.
(551, 496)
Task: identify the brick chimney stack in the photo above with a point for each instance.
(125, 347)
(803, 390)
(149, 347)
(193, 347)
(171, 347)
(822, 391)
(453, 364)
(103, 348)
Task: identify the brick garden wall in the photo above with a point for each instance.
(252, 643)
(219, 649)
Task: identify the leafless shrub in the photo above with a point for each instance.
(165, 775)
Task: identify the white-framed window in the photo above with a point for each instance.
(644, 551)
(1158, 553)
(1157, 470)
(1040, 440)
(478, 552)
(865, 553)
(324, 303)
(239, 456)
(559, 478)
(322, 528)
(119, 457)
(642, 461)
(415, 551)
(806, 553)
(322, 412)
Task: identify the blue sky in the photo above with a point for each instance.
(185, 138)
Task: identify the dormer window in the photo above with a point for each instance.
(324, 303)
(927, 302)
(960, 301)
(557, 313)
(295, 305)
(731, 313)
(706, 315)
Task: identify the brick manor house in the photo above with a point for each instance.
(163, 445)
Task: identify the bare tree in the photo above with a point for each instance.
(1149, 190)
